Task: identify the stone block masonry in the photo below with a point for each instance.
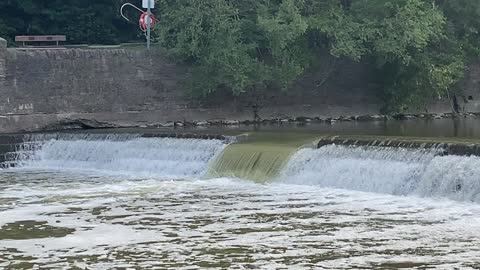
(3, 61)
(40, 87)
(128, 87)
(87, 81)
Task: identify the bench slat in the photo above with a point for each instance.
(40, 38)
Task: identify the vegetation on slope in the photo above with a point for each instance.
(420, 48)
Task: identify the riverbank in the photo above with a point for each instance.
(120, 88)
(59, 122)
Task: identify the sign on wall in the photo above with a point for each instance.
(146, 3)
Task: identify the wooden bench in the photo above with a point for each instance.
(25, 39)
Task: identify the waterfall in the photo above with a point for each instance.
(250, 161)
(390, 170)
(394, 171)
(456, 177)
(130, 153)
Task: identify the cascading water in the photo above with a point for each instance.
(259, 156)
(68, 206)
(394, 171)
(456, 177)
(168, 157)
(252, 162)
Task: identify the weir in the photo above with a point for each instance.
(449, 146)
(397, 166)
(254, 162)
(133, 154)
(396, 171)
(259, 156)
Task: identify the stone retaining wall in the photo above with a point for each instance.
(135, 88)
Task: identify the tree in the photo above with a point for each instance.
(406, 39)
(258, 44)
(421, 48)
(83, 21)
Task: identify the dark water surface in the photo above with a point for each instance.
(458, 127)
(462, 127)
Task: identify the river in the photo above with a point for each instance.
(127, 202)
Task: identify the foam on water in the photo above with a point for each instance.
(166, 157)
(54, 217)
(225, 223)
(394, 171)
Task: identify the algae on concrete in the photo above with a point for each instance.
(259, 156)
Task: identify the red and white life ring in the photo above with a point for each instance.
(144, 18)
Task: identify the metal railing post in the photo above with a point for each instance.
(149, 21)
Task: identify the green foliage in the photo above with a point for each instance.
(463, 23)
(83, 21)
(287, 47)
(437, 61)
(401, 35)
(421, 47)
(207, 34)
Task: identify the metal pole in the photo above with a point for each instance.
(149, 14)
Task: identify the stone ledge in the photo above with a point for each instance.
(445, 146)
(156, 119)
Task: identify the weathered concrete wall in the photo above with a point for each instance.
(87, 81)
(3, 62)
(470, 100)
(133, 87)
(44, 86)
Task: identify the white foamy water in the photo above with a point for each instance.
(166, 157)
(131, 202)
(394, 171)
(224, 223)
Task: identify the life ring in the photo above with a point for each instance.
(144, 18)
